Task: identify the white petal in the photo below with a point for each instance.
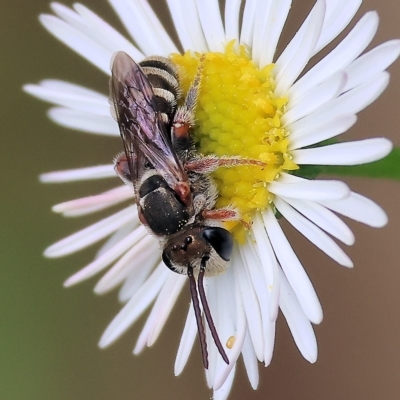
(161, 309)
(135, 306)
(165, 43)
(293, 269)
(356, 99)
(310, 190)
(321, 130)
(249, 15)
(167, 303)
(250, 362)
(269, 342)
(187, 24)
(324, 218)
(146, 31)
(86, 122)
(315, 98)
(371, 63)
(290, 178)
(349, 153)
(290, 49)
(91, 234)
(313, 233)
(276, 20)
(250, 302)
(360, 209)
(339, 13)
(299, 325)
(343, 54)
(350, 102)
(222, 392)
(256, 274)
(241, 329)
(186, 343)
(70, 88)
(269, 265)
(165, 300)
(79, 174)
(91, 204)
(69, 15)
(106, 35)
(107, 257)
(213, 355)
(182, 29)
(118, 235)
(222, 302)
(232, 10)
(293, 60)
(89, 24)
(128, 273)
(143, 256)
(97, 104)
(211, 23)
(78, 42)
(134, 282)
(193, 23)
(260, 22)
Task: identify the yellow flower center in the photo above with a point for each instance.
(238, 114)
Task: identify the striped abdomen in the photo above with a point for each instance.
(163, 76)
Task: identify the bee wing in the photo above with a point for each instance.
(142, 130)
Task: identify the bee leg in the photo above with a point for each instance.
(225, 214)
(208, 164)
(184, 116)
(121, 167)
(198, 203)
(222, 214)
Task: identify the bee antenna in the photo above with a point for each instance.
(197, 313)
(207, 312)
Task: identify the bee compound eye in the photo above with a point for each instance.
(221, 240)
(167, 261)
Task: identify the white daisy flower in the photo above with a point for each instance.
(253, 103)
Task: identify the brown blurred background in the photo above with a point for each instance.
(48, 335)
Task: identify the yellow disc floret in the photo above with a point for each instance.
(238, 114)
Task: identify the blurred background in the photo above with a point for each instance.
(49, 335)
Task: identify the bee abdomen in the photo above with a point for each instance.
(166, 103)
(163, 76)
(161, 63)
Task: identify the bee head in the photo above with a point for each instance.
(191, 245)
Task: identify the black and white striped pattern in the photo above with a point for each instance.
(163, 76)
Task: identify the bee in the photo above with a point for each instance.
(174, 193)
